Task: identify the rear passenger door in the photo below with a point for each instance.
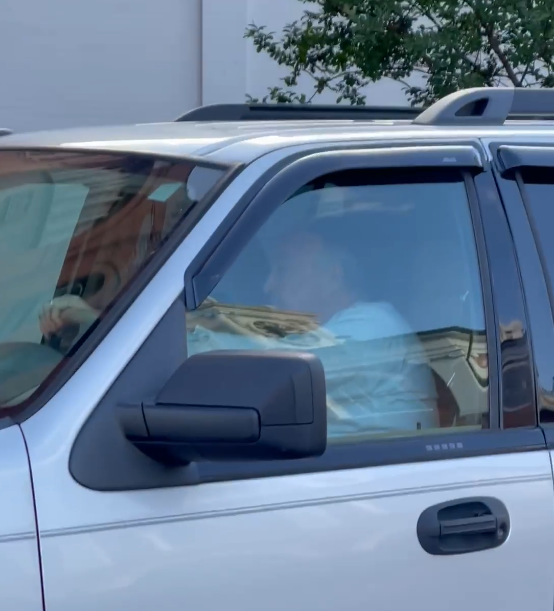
(436, 487)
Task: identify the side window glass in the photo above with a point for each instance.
(380, 279)
(540, 196)
(539, 192)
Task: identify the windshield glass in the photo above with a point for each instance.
(75, 229)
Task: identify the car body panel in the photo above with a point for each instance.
(243, 142)
(20, 578)
(320, 541)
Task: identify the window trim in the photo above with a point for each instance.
(489, 308)
(510, 160)
(380, 452)
(509, 298)
(299, 153)
(88, 471)
(512, 157)
(58, 378)
(522, 187)
(223, 247)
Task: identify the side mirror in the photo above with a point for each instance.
(234, 405)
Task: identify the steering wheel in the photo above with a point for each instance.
(63, 340)
(23, 367)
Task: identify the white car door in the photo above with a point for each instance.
(436, 487)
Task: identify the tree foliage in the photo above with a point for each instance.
(344, 45)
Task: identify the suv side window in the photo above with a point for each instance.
(537, 188)
(378, 274)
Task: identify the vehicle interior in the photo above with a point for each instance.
(415, 253)
(78, 226)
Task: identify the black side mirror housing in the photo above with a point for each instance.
(234, 405)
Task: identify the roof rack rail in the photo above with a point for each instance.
(489, 106)
(5, 132)
(297, 112)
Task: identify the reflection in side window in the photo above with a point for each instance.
(381, 280)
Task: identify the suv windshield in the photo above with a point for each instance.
(75, 229)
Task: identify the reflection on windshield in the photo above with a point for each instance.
(74, 230)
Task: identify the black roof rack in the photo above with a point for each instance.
(297, 112)
(489, 106)
(483, 106)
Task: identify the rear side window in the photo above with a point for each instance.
(539, 188)
(75, 230)
(377, 273)
(537, 185)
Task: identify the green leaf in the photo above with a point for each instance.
(343, 45)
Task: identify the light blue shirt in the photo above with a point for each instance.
(376, 376)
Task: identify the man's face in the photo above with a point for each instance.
(299, 280)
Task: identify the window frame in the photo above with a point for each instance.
(510, 158)
(222, 248)
(235, 231)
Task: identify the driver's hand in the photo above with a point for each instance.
(63, 311)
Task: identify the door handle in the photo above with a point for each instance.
(463, 526)
(468, 526)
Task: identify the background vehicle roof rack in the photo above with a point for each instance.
(297, 112)
(489, 106)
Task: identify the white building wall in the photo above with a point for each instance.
(83, 62)
(91, 62)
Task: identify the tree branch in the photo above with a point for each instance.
(495, 46)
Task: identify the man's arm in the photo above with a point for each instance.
(66, 310)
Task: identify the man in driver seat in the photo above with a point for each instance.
(377, 381)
